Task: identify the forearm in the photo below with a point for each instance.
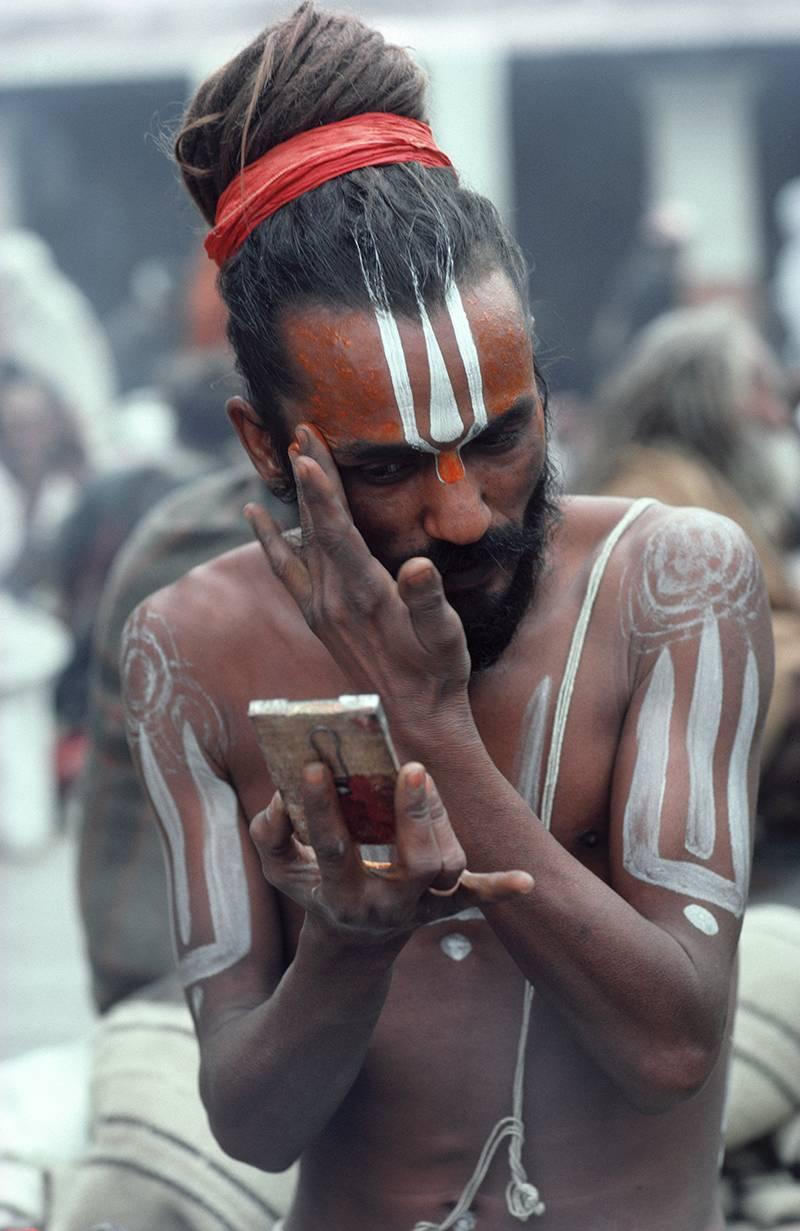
(273, 1076)
(627, 989)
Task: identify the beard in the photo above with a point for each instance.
(490, 619)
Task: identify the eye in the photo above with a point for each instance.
(381, 474)
(499, 442)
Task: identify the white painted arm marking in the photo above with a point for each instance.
(173, 831)
(223, 862)
(469, 356)
(701, 736)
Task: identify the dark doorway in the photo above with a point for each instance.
(579, 168)
(91, 180)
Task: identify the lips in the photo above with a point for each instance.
(468, 578)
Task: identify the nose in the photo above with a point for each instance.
(455, 512)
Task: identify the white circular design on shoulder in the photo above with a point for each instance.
(701, 918)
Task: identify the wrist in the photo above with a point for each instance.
(438, 732)
(349, 950)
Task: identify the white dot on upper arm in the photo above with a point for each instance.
(701, 918)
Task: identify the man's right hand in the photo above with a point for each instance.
(427, 881)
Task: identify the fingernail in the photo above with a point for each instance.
(314, 773)
(416, 778)
(302, 440)
(421, 578)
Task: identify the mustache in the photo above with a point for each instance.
(502, 546)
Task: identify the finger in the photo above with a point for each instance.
(333, 548)
(335, 850)
(475, 889)
(436, 624)
(287, 566)
(454, 860)
(419, 854)
(325, 520)
(484, 887)
(272, 834)
(313, 444)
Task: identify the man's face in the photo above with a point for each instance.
(437, 429)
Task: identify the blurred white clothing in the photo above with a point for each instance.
(48, 326)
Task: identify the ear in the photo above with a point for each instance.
(255, 439)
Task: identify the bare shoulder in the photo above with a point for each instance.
(678, 561)
(188, 644)
(211, 606)
(684, 566)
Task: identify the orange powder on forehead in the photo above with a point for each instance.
(346, 390)
(501, 337)
(449, 466)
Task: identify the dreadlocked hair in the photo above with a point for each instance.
(384, 236)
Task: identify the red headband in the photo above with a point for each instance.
(310, 159)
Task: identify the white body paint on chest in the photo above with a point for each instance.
(534, 730)
(642, 820)
(223, 862)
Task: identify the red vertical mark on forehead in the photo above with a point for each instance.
(449, 466)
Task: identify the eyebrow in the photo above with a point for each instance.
(363, 453)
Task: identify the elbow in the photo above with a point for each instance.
(669, 1076)
(241, 1135)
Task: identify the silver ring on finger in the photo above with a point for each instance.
(446, 893)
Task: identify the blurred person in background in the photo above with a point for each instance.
(649, 281)
(786, 281)
(43, 448)
(49, 328)
(33, 648)
(193, 387)
(145, 328)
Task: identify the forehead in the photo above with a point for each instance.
(346, 363)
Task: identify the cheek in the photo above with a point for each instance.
(384, 516)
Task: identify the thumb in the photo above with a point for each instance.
(436, 624)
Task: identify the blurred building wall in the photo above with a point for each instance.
(573, 115)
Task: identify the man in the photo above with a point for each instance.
(382, 1028)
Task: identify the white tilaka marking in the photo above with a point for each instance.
(444, 419)
(534, 726)
(445, 422)
(170, 819)
(469, 356)
(401, 382)
(701, 918)
(643, 811)
(701, 737)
